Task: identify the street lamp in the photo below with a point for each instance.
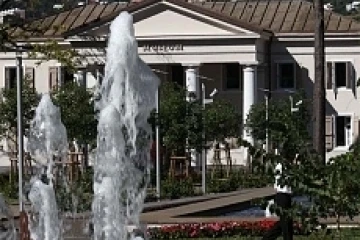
(267, 93)
(19, 73)
(296, 107)
(204, 152)
(157, 137)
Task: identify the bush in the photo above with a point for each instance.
(173, 189)
(9, 189)
(219, 186)
(237, 179)
(77, 196)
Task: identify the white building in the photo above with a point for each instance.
(241, 45)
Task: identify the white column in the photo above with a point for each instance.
(249, 73)
(192, 82)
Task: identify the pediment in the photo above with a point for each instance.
(166, 20)
(172, 23)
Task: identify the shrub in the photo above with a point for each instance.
(8, 188)
(237, 179)
(172, 188)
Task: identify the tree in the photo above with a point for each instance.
(77, 112)
(221, 121)
(333, 189)
(319, 85)
(287, 130)
(172, 117)
(181, 122)
(8, 111)
(340, 197)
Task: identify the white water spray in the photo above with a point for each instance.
(122, 166)
(47, 142)
(9, 233)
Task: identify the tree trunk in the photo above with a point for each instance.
(319, 85)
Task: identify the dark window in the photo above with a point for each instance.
(343, 128)
(68, 76)
(177, 74)
(232, 76)
(340, 74)
(286, 75)
(101, 73)
(10, 77)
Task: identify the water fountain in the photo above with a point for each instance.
(121, 169)
(125, 100)
(9, 231)
(47, 142)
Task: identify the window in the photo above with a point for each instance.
(232, 76)
(67, 76)
(59, 76)
(29, 77)
(340, 75)
(100, 74)
(10, 77)
(286, 75)
(343, 131)
(177, 74)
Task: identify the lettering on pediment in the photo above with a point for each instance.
(163, 48)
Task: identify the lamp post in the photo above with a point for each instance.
(204, 152)
(19, 74)
(294, 108)
(157, 137)
(157, 133)
(23, 224)
(267, 140)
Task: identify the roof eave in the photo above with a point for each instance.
(311, 34)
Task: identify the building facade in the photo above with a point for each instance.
(238, 47)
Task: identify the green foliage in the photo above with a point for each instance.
(181, 122)
(238, 179)
(172, 117)
(77, 196)
(287, 131)
(216, 185)
(341, 194)
(51, 50)
(221, 121)
(10, 189)
(77, 112)
(173, 189)
(333, 189)
(8, 110)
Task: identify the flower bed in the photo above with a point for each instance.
(212, 230)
